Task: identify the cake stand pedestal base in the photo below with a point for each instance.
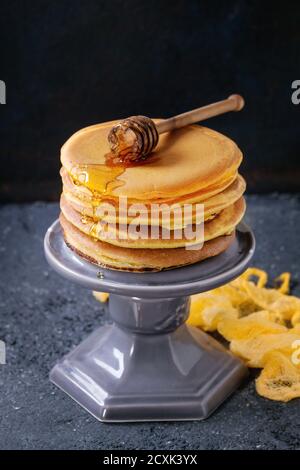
(149, 365)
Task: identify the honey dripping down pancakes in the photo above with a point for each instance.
(191, 167)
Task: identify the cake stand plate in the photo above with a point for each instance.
(148, 365)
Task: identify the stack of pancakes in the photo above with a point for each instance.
(194, 165)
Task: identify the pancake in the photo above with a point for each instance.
(224, 223)
(138, 260)
(83, 193)
(212, 206)
(185, 161)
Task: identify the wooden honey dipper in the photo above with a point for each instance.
(134, 138)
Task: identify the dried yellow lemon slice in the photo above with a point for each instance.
(262, 277)
(235, 295)
(255, 350)
(280, 378)
(249, 327)
(285, 279)
(272, 299)
(101, 296)
(277, 317)
(238, 298)
(295, 320)
(295, 329)
(208, 309)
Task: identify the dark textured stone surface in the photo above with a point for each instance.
(42, 316)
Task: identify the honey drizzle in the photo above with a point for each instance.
(102, 180)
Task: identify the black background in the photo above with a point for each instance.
(71, 63)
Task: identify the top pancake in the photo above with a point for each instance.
(185, 161)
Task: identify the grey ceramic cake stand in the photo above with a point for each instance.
(148, 365)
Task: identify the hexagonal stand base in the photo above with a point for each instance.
(120, 376)
(149, 365)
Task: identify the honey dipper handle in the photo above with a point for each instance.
(232, 103)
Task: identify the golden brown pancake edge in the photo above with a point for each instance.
(222, 224)
(139, 260)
